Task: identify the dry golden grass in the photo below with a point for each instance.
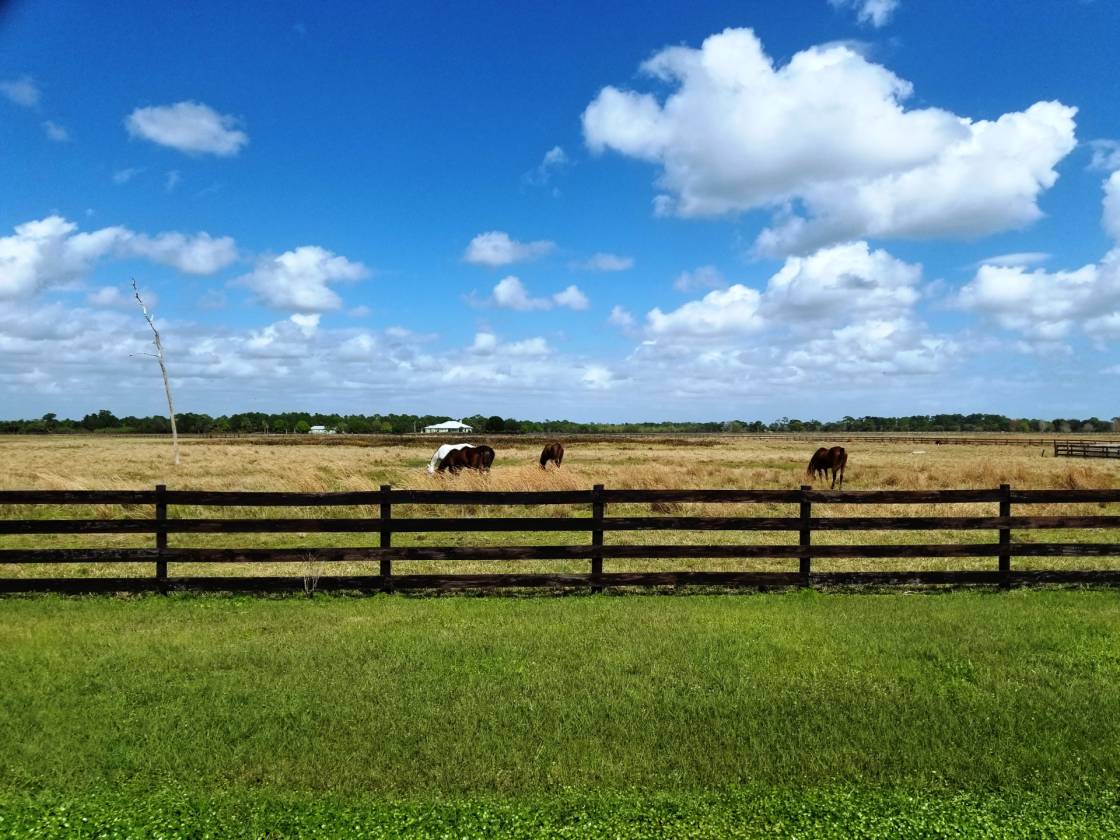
(129, 463)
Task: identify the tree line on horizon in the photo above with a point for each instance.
(300, 422)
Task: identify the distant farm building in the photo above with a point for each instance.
(320, 430)
(448, 427)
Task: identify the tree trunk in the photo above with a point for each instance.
(163, 370)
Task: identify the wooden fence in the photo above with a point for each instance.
(386, 502)
(1083, 449)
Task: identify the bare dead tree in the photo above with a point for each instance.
(158, 356)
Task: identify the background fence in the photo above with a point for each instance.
(1083, 449)
(386, 501)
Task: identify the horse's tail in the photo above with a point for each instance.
(487, 457)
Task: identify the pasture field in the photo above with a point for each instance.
(809, 714)
(799, 714)
(709, 462)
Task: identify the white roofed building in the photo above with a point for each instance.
(448, 427)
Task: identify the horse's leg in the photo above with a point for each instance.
(842, 463)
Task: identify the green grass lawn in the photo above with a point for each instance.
(579, 716)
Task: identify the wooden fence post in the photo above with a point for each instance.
(386, 539)
(1005, 538)
(597, 508)
(806, 535)
(161, 536)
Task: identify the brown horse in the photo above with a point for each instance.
(552, 452)
(824, 460)
(471, 458)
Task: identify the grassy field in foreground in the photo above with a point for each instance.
(833, 814)
(699, 716)
(399, 696)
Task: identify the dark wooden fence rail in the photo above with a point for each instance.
(1083, 449)
(596, 551)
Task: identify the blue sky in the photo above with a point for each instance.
(708, 211)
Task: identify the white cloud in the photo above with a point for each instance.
(299, 279)
(1019, 258)
(84, 353)
(495, 248)
(892, 347)
(876, 13)
(198, 254)
(360, 311)
(484, 344)
(554, 160)
(598, 377)
(1046, 306)
(22, 91)
(51, 252)
(843, 281)
(738, 132)
(840, 283)
(704, 277)
(171, 179)
(55, 132)
(510, 293)
(106, 296)
(117, 297)
(845, 309)
(307, 323)
(603, 261)
(1106, 155)
(190, 127)
(731, 310)
(123, 176)
(1110, 217)
(529, 347)
(571, 298)
(621, 317)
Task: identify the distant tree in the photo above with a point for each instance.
(494, 424)
(302, 427)
(104, 419)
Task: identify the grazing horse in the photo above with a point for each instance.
(824, 460)
(552, 452)
(470, 458)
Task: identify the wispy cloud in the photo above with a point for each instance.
(553, 161)
(603, 261)
(22, 91)
(1017, 259)
(56, 132)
